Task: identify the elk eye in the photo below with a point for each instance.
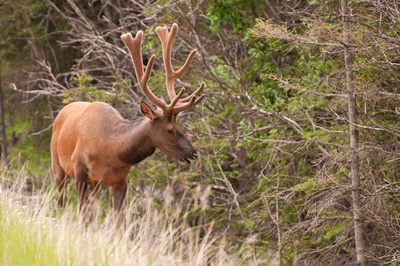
(170, 131)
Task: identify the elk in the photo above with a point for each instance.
(92, 142)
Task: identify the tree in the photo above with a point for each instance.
(4, 155)
(353, 132)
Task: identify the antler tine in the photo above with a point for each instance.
(135, 49)
(175, 101)
(194, 94)
(167, 38)
(184, 106)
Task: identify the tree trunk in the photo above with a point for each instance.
(355, 162)
(4, 156)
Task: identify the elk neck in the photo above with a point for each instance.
(134, 142)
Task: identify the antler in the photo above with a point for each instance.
(167, 38)
(177, 105)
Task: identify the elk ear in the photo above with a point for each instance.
(147, 111)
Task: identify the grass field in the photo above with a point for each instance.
(33, 232)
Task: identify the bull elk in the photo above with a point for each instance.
(92, 142)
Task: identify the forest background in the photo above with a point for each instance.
(298, 136)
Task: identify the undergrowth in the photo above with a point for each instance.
(33, 231)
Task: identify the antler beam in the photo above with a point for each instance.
(135, 48)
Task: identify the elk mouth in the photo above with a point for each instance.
(182, 160)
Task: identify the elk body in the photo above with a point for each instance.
(92, 142)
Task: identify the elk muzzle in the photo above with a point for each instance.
(185, 159)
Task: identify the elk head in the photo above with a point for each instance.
(165, 132)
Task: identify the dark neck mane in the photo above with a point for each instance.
(135, 141)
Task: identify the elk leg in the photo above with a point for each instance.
(61, 181)
(119, 192)
(82, 187)
(94, 187)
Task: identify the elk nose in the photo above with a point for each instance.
(195, 155)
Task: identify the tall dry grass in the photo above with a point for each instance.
(33, 231)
